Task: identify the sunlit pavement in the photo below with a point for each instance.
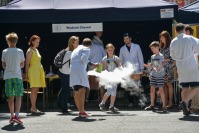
(121, 122)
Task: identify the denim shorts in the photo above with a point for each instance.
(189, 84)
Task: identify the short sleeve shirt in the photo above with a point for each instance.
(12, 57)
(111, 62)
(156, 59)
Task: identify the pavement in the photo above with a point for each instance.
(128, 120)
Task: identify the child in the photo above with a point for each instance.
(110, 62)
(157, 75)
(12, 62)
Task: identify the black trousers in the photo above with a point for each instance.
(64, 95)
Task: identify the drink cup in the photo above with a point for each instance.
(99, 68)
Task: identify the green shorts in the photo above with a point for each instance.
(14, 87)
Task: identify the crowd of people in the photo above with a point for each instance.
(167, 53)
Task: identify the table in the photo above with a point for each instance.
(49, 88)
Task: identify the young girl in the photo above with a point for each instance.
(110, 62)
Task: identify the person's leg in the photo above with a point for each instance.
(106, 95)
(81, 99)
(113, 96)
(18, 105)
(161, 91)
(33, 98)
(68, 91)
(112, 100)
(152, 99)
(102, 92)
(152, 93)
(9, 90)
(195, 103)
(18, 87)
(183, 104)
(184, 92)
(59, 98)
(11, 105)
(64, 93)
(104, 99)
(170, 90)
(166, 94)
(190, 94)
(76, 98)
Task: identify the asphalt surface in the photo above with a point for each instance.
(125, 121)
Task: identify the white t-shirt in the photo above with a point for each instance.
(12, 57)
(66, 67)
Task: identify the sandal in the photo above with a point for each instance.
(170, 107)
(35, 111)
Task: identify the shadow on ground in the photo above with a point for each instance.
(13, 127)
(190, 118)
(85, 119)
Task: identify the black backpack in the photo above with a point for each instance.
(58, 61)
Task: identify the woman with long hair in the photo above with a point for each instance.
(165, 40)
(64, 94)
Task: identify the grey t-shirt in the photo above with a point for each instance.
(111, 65)
(156, 59)
(12, 57)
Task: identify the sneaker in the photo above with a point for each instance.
(35, 111)
(17, 120)
(102, 107)
(84, 114)
(149, 108)
(184, 108)
(113, 109)
(11, 120)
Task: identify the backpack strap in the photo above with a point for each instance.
(65, 62)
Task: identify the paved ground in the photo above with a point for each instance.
(127, 121)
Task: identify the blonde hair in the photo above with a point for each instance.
(110, 45)
(71, 40)
(12, 37)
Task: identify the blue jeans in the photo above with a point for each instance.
(64, 95)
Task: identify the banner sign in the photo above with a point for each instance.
(77, 27)
(167, 13)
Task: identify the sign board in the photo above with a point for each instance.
(77, 27)
(167, 13)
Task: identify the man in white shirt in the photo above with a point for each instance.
(131, 53)
(182, 50)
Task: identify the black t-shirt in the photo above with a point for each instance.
(128, 47)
